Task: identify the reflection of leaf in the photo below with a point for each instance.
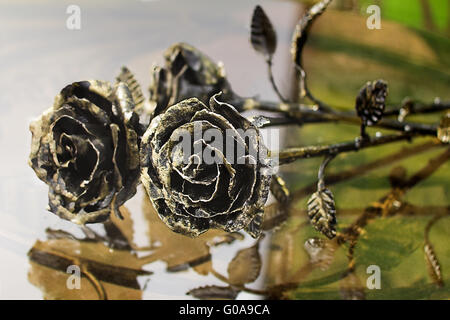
(254, 227)
(274, 215)
(322, 212)
(214, 292)
(226, 238)
(263, 37)
(44, 253)
(117, 239)
(109, 269)
(178, 251)
(388, 241)
(203, 269)
(122, 228)
(112, 272)
(119, 233)
(245, 266)
(321, 252)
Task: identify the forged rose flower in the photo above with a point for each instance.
(187, 73)
(86, 149)
(218, 176)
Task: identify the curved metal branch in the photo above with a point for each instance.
(294, 113)
(272, 81)
(293, 154)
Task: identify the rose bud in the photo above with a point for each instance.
(86, 149)
(205, 167)
(371, 102)
(187, 73)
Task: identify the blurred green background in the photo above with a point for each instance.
(412, 52)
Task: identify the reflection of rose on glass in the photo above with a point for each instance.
(218, 181)
(187, 73)
(86, 149)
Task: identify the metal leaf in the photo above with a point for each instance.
(371, 101)
(214, 292)
(434, 268)
(443, 132)
(127, 77)
(263, 36)
(322, 212)
(302, 29)
(259, 121)
(279, 189)
(245, 266)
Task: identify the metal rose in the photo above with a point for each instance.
(190, 192)
(86, 149)
(187, 73)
